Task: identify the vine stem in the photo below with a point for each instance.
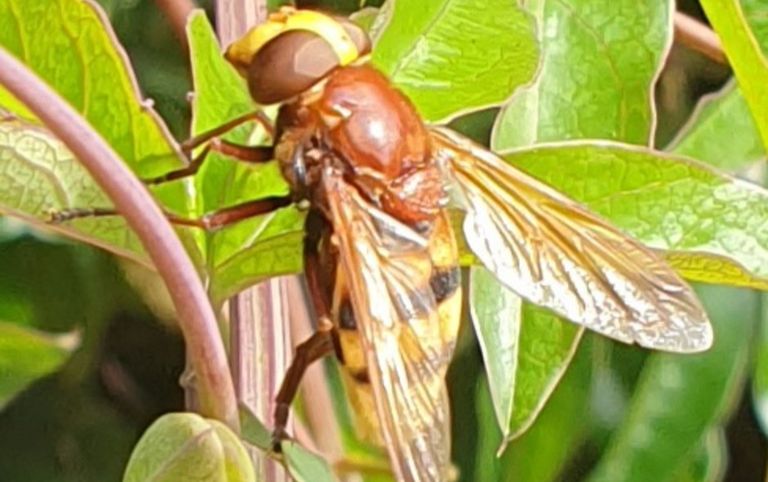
(697, 36)
(260, 341)
(177, 11)
(196, 317)
(266, 319)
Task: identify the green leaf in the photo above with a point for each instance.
(760, 374)
(538, 456)
(708, 460)
(221, 95)
(256, 248)
(180, 447)
(709, 134)
(679, 398)
(496, 316)
(27, 354)
(526, 350)
(707, 223)
(90, 70)
(547, 345)
(599, 62)
(745, 56)
(41, 175)
(253, 431)
(238, 466)
(756, 13)
(452, 56)
(304, 466)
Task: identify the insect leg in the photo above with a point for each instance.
(316, 347)
(64, 215)
(238, 212)
(190, 144)
(322, 342)
(210, 222)
(250, 154)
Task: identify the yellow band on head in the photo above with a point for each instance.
(288, 18)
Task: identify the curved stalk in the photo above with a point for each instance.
(196, 317)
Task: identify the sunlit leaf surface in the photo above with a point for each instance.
(744, 53)
(585, 87)
(257, 248)
(180, 447)
(39, 174)
(89, 70)
(456, 55)
(713, 225)
(599, 61)
(721, 132)
(496, 318)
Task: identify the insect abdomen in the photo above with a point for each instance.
(445, 283)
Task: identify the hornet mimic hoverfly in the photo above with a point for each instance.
(381, 256)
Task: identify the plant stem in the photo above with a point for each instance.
(266, 318)
(260, 351)
(697, 36)
(177, 11)
(260, 341)
(131, 198)
(235, 17)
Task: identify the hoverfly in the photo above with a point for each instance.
(380, 254)
(381, 258)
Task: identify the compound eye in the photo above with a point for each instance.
(288, 65)
(289, 54)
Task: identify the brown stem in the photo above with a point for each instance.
(697, 36)
(267, 317)
(177, 11)
(235, 17)
(260, 349)
(260, 354)
(131, 198)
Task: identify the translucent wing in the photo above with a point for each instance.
(555, 253)
(387, 268)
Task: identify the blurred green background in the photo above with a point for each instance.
(80, 422)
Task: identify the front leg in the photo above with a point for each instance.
(249, 154)
(239, 152)
(210, 222)
(194, 142)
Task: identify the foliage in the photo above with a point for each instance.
(564, 90)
